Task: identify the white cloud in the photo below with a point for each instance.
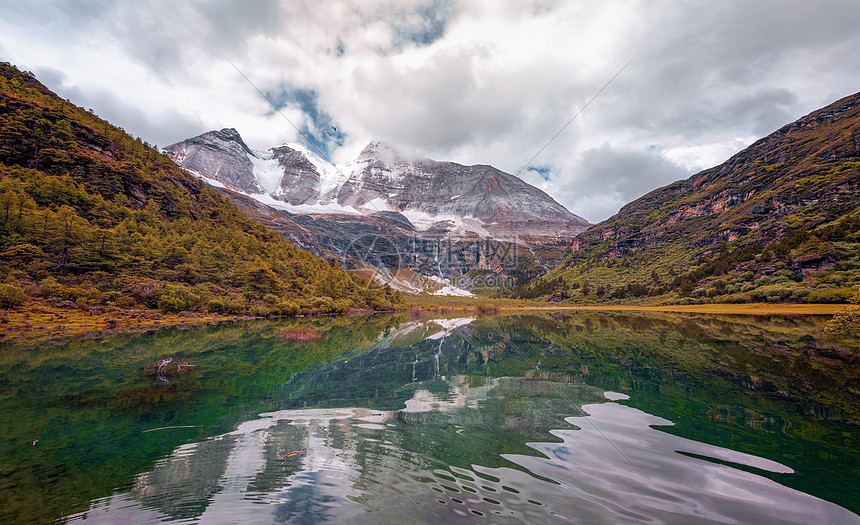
(475, 81)
(697, 157)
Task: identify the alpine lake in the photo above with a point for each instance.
(566, 417)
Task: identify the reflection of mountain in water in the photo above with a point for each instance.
(394, 434)
(349, 455)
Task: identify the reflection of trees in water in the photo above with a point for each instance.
(784, 357)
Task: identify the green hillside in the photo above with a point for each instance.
(778, 222)
(93, 216)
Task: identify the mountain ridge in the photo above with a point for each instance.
(481, 199)
(782, 213)
(766, 160)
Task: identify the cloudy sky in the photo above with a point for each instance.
(473, 81)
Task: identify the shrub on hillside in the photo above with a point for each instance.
(778, 293)
(11, 296)
(49, 287)
(177, 298)
(838, 295)
(289, 308)
(323, 305)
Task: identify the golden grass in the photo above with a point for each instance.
(434, 302)
(732, 309)
(456, 302)
(38, 321)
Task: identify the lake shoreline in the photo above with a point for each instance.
(40, 321)
(720, 308)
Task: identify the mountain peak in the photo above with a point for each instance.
(379, 152)
(229, 133)
(221, 155)
(382, 177)
(379, 145)
(380, 148)
(389, 154)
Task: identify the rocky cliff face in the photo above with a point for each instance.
(219, 155)
(387, 240)
(437, 198)
(300, 182)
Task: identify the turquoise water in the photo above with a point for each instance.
(583, 418)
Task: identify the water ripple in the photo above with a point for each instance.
(353, 465)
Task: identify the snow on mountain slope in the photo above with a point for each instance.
(315, 208)
(454, 224)
(331, 177)
(481, 199)
(444, 199)
(267, 170)
(415, 283)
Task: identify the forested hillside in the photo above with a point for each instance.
(91, 215)
(777, 222)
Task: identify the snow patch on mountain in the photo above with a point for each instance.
(331, 178)
(453, 290)
(315, 208)
(377, 204)
(267, 170)
(415, 283)
(423, 221)
(447, 288)
(207, 180)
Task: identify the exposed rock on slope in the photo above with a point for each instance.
(387, 241)
(806, 171)
(220, 155)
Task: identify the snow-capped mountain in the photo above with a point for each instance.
(288, 173)
(438, 198)
(481, 198)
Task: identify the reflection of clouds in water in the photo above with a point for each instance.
(662, 483)
(616, 396)
(372, 466)
(460, 396)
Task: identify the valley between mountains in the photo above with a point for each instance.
(416, 224)
(93, 219)
(778, 222)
